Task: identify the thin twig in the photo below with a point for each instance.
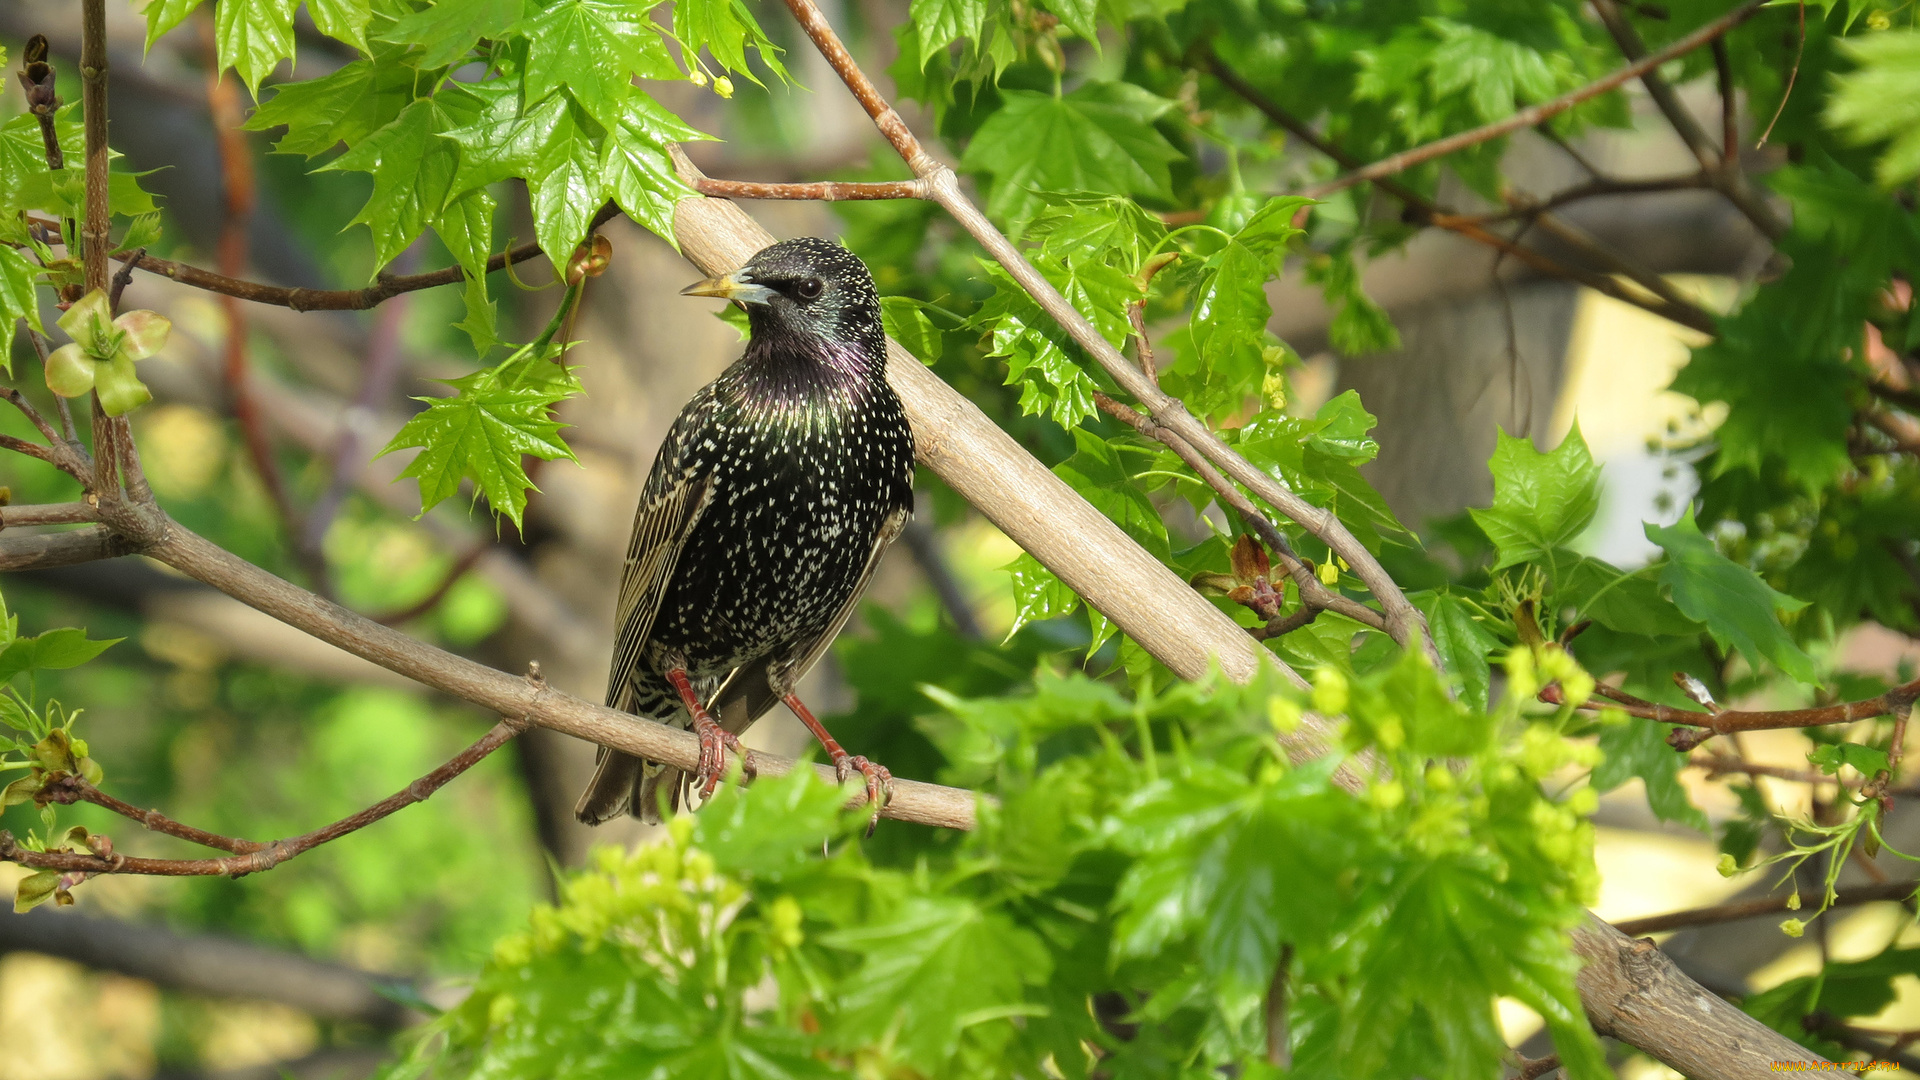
(1721, 166)
(384, 288)
(1748, 909)
(823, 191)
(1534, 1068)
(1313, 595)
(250, 857)
(1793, 75)
(1891, 703)
(1472, 227)
(1534, 114)
(1658, 88)
(46, 550)
(122, 279)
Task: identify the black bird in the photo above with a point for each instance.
(769, 505)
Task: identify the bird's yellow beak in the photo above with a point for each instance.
(737, 286)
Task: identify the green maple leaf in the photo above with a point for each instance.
(1738, 608)
(937, 24)
(593, 48)
(481, 434)
(1540, 501)
(1464, 642)
(446, 31)
(412, 169)
(342, 20)
(725, 28)
(635, 167)
(1881, 100)
(252, 37)
(555, 145)
(18, 299)
(1037, 594)
(466, 227)
(345, 106)
(164, 15)
(1639, 748)
(1101, 476)
(1100, 137)
(934, 969)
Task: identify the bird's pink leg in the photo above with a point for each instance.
(715, 740)
(879, 780)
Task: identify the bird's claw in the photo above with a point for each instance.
(715, 741)
(879, 783)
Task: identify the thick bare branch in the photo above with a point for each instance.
(207, 964)
(1635, 993)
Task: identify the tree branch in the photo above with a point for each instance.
(44, 551)
(1751, 909)
(1535, 114)
(248, 856)
(48, 514)
(1474, 227)
(824, 191)
(1895, 702)
(207, 964)
(93, 108)
(1723, 167)
(1404, 622)
(1635, 993)
(1314, 596)
(384, 287)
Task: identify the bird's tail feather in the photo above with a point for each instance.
(616, 788)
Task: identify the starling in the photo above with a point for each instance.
(768, 507)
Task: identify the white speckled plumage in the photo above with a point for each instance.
(768, 506)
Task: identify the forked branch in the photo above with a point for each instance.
(245, 856)
(1403, 621)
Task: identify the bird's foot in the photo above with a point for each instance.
(879, 782)
(715, 741)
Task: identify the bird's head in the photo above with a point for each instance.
(804, 288)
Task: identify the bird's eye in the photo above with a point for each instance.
(810, 289)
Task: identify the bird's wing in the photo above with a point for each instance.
(660, 530)
(890, 528)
